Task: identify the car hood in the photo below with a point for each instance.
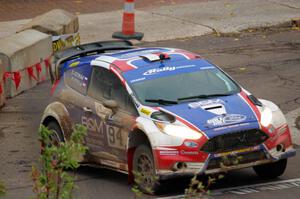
(216, 116)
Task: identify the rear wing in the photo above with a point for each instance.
(59, 58)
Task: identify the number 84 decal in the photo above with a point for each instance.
(116, 137)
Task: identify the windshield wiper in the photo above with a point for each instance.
(161, 101)
(203, 96)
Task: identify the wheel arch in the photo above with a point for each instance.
(57, 112)
(138, 137)
(49, 119)
(135, 138)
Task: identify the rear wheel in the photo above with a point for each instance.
(144, 170)
(271, 170)
(57, 135)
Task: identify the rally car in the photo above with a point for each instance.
(163, 112)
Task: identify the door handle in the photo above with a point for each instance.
(87, 109)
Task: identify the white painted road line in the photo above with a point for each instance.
(248, 189)
(255, 188)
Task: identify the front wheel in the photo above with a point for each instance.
(144, 170)
(271, 170)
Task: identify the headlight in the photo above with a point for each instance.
(178, 131)
(266, 117)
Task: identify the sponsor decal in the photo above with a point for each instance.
(74, 64)
(137, 80)
(207, 67)
(168, 152)
(79, 79)
(183, 152)
(135, 101)
(166, 69)
(116, 138)
(231, 126)
(79, 76)
(226, 119)
(159, 70)
(204, 103)
(93, 125)
(64, 41)
(236, 151)
(145, 111)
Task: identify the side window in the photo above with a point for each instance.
(100, 85)
(77, 78)
(120, 94)
(106, 85)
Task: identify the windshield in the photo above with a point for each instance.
(184, 87)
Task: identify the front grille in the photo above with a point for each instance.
(232, 160)
(234, 141)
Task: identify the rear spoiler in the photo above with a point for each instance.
(84, 50)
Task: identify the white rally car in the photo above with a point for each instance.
(163, 112)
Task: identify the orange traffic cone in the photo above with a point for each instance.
(128, 31)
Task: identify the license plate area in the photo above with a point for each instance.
(235, 158)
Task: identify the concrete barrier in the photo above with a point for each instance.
(28, 55)
(3, 62)
(62, 25)
(55, 22)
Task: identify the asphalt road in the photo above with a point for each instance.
(20, 9)
(265, 62)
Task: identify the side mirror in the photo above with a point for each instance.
(111, 104)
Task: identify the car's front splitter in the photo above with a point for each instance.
(224, 162)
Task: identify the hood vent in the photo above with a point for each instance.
(217, 109)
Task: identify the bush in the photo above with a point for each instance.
(138, 179)
(2, 189)
(200, 188)
(52, 181)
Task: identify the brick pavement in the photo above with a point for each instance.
(24, 9)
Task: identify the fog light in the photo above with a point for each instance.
(190, 144)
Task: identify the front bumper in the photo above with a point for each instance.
(278, 146)
(218, 163)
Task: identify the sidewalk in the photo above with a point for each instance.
(26, 9)
(184, 20)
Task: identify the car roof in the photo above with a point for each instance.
(134, 63)
(139, 58)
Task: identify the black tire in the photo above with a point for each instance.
(57, 136)
(271, 170)
(144, 170)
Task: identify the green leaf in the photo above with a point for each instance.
(2, 189)
(220, 176)
(51, 177)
